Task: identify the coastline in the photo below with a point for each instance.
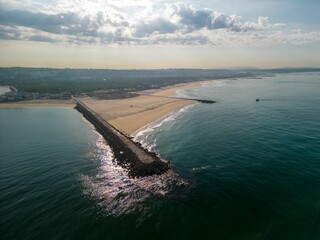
(130, 115)
(133, 123)
(137, 160)
(40, 103)
(119, 120)
(127, 115)
(143, 119)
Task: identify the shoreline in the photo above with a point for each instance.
(118, 120)
(71, 104)
(140, 120)
(136, 134)
(161, 112)
(150, 106)
(39, 103)
(129, 154)
(128, 120)
(172, 91)
(132, 114)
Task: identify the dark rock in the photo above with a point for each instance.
(124, 155)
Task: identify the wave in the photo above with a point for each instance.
(201, 168)
(196, 92)
(181, 93)
(143, 134)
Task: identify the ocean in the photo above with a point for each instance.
(241, 169)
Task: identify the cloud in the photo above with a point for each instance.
(41, 38)
(184, 40)
(158, 25)
(189, 16)
(111, 22)
(193, 18)
(62, 23)
(7, 33)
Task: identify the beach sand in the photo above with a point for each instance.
(126, 115)
(129, 115)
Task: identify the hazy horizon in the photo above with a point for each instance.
(144, 34)
(169, 68)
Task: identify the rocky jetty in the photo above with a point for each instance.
(131, 155)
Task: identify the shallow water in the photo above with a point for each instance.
(242, 169)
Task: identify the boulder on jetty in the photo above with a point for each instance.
(138, 161)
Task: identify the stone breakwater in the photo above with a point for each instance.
(131, 155)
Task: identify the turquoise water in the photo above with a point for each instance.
(242, 169)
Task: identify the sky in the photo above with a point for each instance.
(131, 34)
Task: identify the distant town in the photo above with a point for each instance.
(46, 83)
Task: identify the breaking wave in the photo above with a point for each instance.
(143, 134)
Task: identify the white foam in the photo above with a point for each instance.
(201, 168)
(116, 193)
(142, 134)
(180, 94)
(216, 83)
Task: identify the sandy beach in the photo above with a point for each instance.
(129, 115)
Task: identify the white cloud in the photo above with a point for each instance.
(137, 22)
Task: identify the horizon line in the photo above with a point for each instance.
(150, 69)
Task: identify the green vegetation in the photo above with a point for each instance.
(76, 81)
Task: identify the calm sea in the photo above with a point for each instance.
(241, 169)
